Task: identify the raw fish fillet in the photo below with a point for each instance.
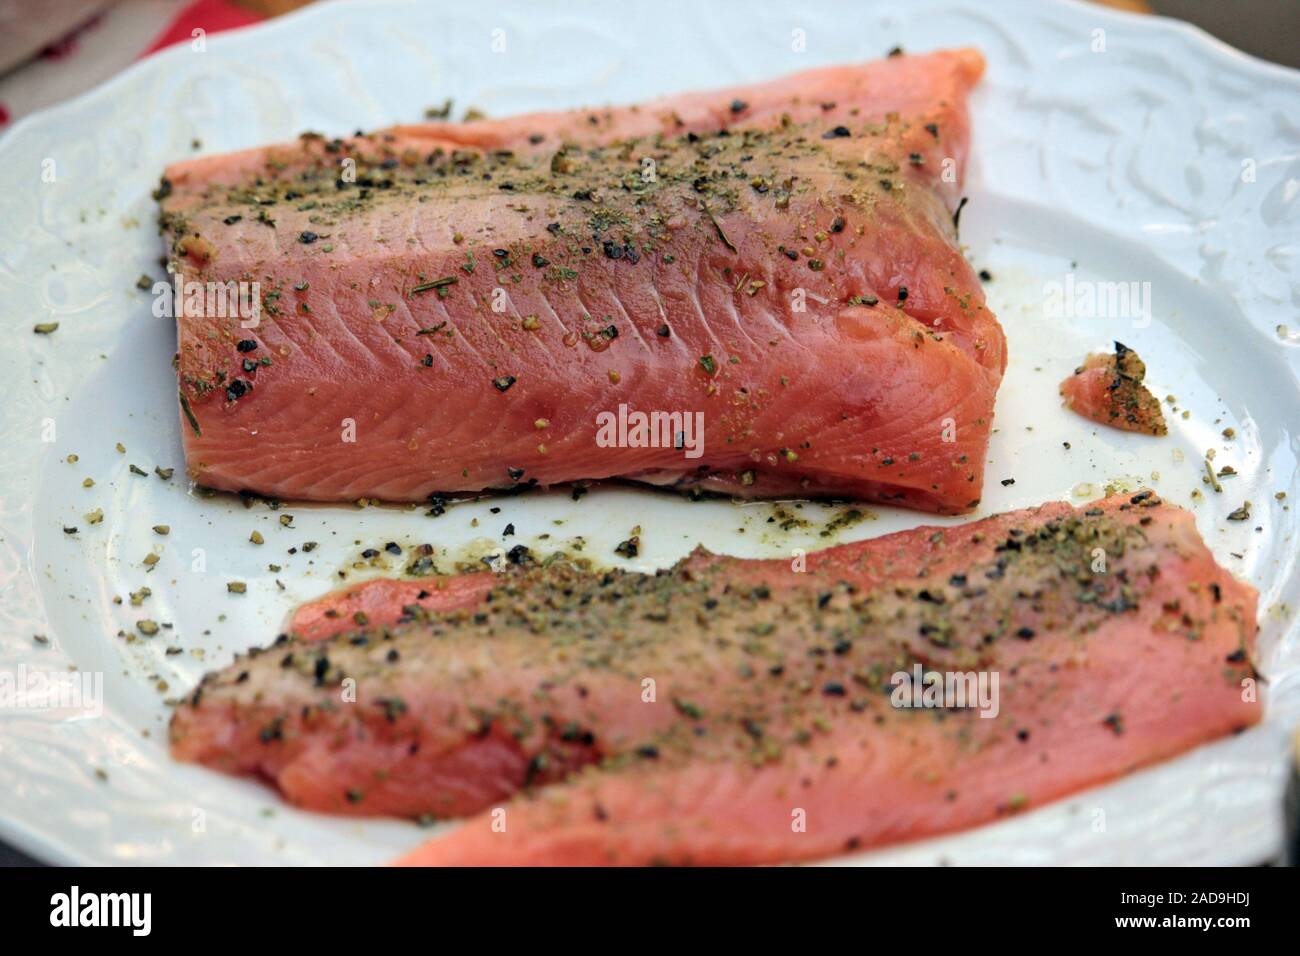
(756, 291)
(731, 711)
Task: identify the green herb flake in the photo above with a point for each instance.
(436, 284)
(189, 415)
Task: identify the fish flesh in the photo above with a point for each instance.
(1108, 388)
(1117, 640)
(730, 711)
(756, 291)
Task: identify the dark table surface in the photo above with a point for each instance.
(11, 857)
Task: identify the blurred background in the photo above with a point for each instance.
(51, 50)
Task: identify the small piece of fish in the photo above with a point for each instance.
(1108, 389)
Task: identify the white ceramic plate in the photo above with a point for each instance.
(1107, 148)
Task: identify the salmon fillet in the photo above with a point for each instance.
(732, 711)
(770, 271)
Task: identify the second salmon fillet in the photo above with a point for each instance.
(756, 291)
(739, 711)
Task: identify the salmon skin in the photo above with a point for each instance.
(734, 711)
(756, 291)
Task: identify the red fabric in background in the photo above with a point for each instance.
(211, 16)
